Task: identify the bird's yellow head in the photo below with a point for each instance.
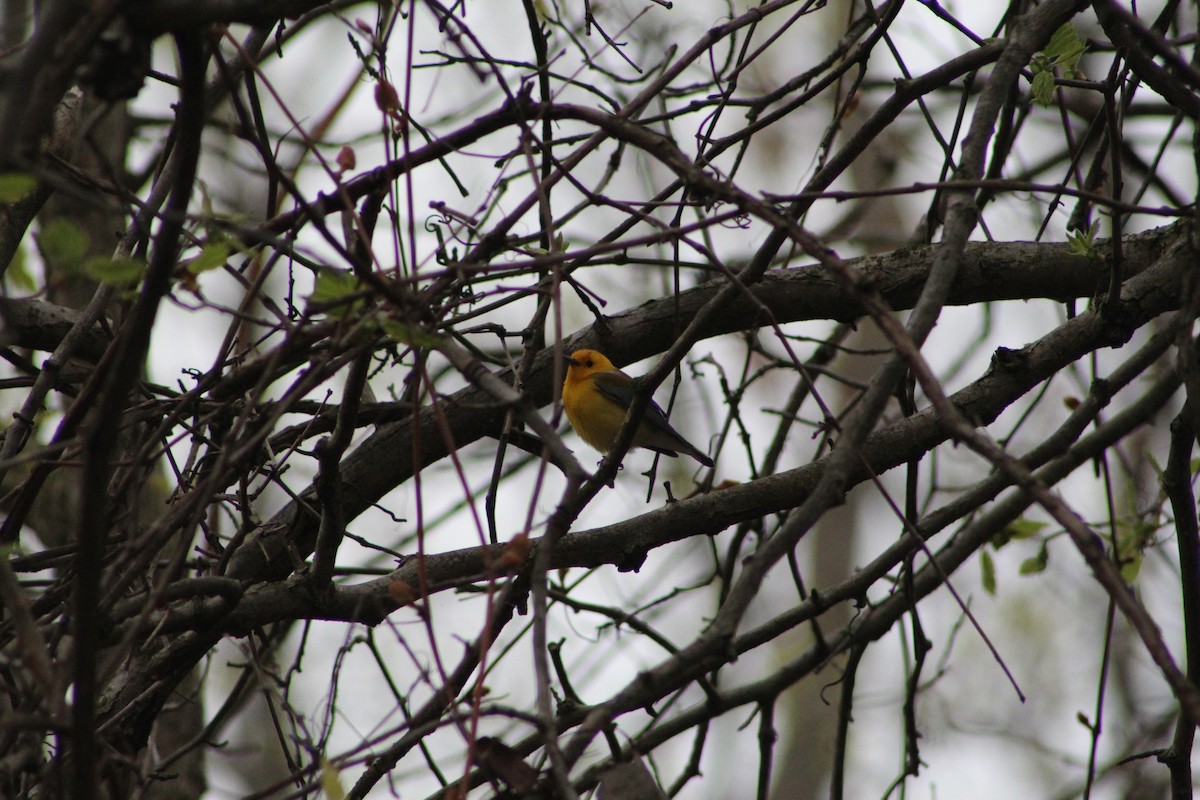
(583, 363)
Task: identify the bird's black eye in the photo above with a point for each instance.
(589, 363)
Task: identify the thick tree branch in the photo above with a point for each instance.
(384, 460)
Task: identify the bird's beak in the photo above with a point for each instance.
(572, 362)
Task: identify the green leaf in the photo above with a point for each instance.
(1064, 50)
(1036, 564)
(405, 333)
(1132, 541)
(1083, 243)
(988, 569)
(16, 186)
(114, 270)
(1026, 528)
(1065, 47)
(212, 256)
(333, 286)
(18, 272)
(1023, 529)
(63, 243)
(331, 780)
(1130, 568)
(1043, 87)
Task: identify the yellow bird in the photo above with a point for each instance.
(596, 396)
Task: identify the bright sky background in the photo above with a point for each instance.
(979, 741)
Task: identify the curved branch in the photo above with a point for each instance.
(989, 272)
(625, 544)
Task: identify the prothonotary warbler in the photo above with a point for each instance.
(596, 397)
